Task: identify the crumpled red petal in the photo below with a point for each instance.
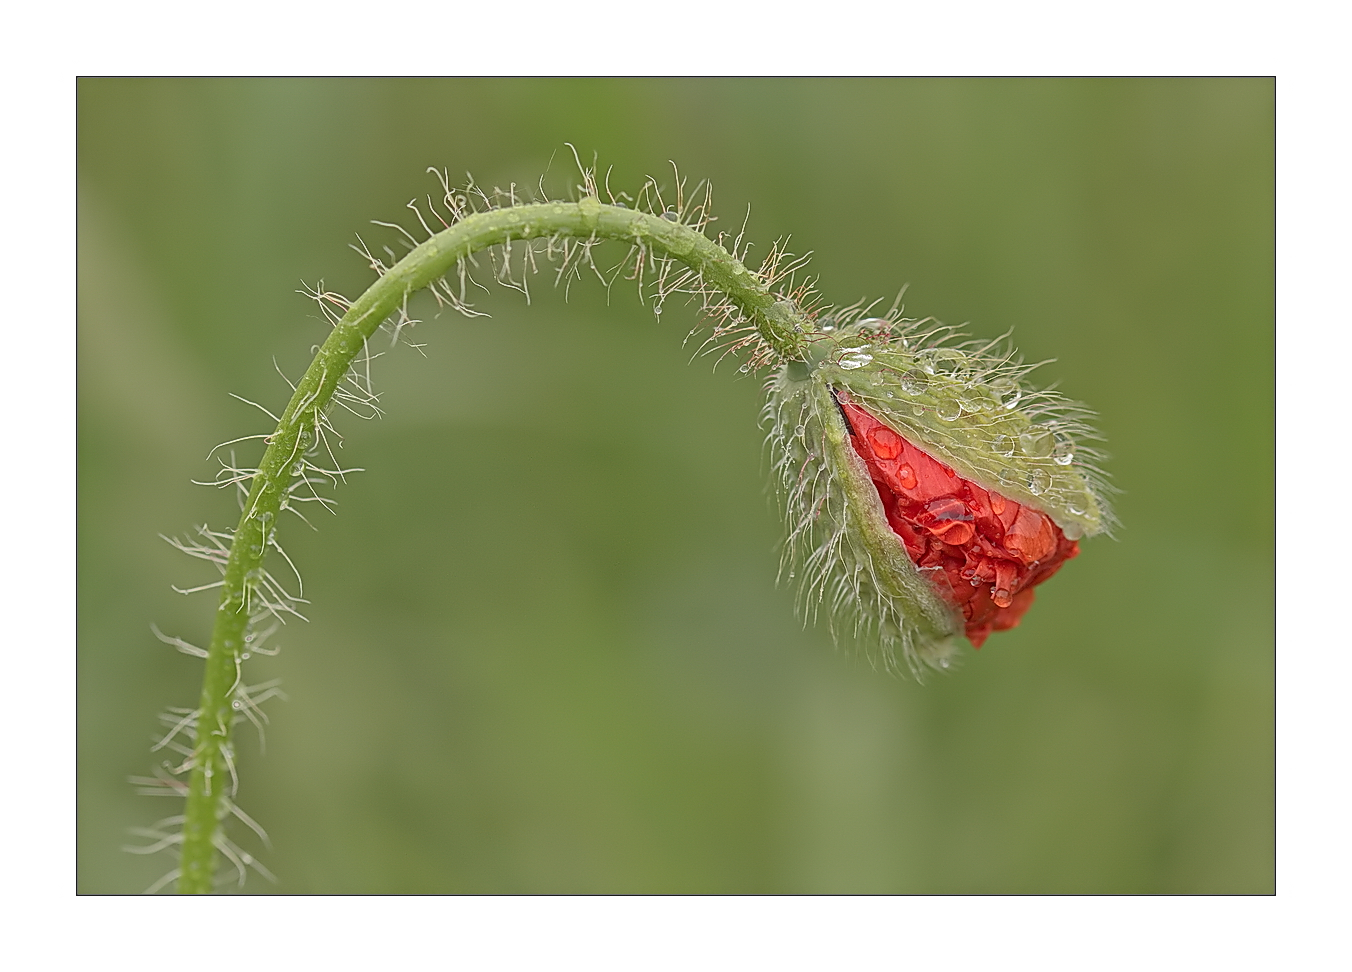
(984, 551)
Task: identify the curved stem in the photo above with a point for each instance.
(779, 322)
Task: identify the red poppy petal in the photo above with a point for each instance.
(984, 551)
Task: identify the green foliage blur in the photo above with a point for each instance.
(547, 652)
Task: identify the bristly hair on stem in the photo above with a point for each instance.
(469, 236)
(966, 407)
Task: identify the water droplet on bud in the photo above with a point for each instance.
(914, 383)
(942, 361)
(1063, 452)
(976, 399)
(800, 430)
(671, 215)
(1006, 391)
(906, 476)
(1003, 445)
(886, 443)
(1036, 442)
(1038, 481)
(855, 358)
(949, 409)
(1002, 598)
(1075, 507)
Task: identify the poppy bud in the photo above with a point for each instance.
(928, 489)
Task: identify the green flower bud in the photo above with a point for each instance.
(927, 487)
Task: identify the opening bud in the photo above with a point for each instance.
(928, 489)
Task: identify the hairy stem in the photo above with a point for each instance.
(780, 324)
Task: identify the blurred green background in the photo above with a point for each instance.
(547, 653)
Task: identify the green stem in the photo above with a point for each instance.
(779, 322)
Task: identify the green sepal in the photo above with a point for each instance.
(972, 411)
(841, 550)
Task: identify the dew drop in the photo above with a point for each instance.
(976, 399)
(1003, 444)
(914, 383)
(1038, 481)
(943, 662)
(1006, 477)
(244, 656)
(745, 368)
(1076, 507)
(1006, 391)
(942, 361)
(800, 431)
(237, 705)
(906, 476)
(917, 410)
(886, 443)
(1036, 442)
(949, 409)
(298, 468)
(855, 358)
(671, 215)
(1002, 597)
(997, 503)
(1063, 451)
